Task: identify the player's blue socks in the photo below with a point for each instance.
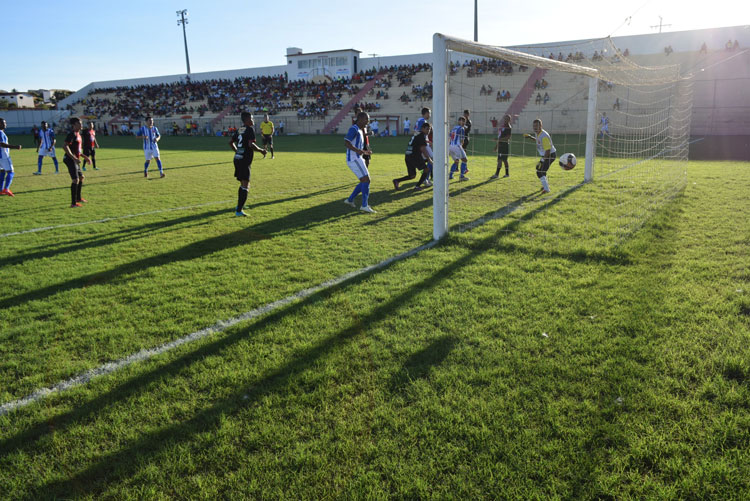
(57, 168)
(464, 168)
(8, 179)
(145, 168)
(429, 167)
(158, 164)
(365, 193)
(2, 178)
(39, 164)
(357, 190)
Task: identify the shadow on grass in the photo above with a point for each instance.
(120, 464)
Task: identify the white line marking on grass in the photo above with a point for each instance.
(107, 219)
(220, 326)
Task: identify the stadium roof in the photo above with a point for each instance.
(323, 52)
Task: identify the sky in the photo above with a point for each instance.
(63, 45)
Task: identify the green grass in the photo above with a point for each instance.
(497, 365)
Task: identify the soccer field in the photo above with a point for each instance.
(514, 360)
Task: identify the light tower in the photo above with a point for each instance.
(182, 14)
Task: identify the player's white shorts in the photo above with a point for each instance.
(358, 167)
(6, 164)
(151, 153)
(456, 152)
(44, 152)
(605, 129)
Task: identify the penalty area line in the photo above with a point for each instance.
(218, 327)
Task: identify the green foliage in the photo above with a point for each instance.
(496, 365)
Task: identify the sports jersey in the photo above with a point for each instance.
(458, 134)
(419, 124)
(47, 137)
(89, 139)
(73, 140)
(414, 150)
(150, 135)
(544, 143)
(4, 152)
(355, 137)
(467, 126)
(504, 132)
(266, 128)
(243, 138)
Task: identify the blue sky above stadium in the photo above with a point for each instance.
(51, 45)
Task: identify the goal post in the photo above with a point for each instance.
(442, 46)
(626, 120)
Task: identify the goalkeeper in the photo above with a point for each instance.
(546, 151)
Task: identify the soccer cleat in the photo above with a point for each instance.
(162, 175)
(7, 191)
(450, 177)
(2, 192)
(272, 157)
(544, 192)
(96, 168)
(38, 173)
(73, 206)
(463, 178)
(395, 184)
(367, 208)
(507, 175)
(427, 182)
(418, 188)
(57, 172)
(349, 202)
(83, 200)
(494, 176)
(239, 213)
(145, 174)
(83, 168)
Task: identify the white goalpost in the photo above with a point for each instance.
(628, 123)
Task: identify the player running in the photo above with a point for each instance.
(456, 150)
(46, 148)
(6, 166)
(355, 151)
(150, 135)
(503, 147)
(243, 145)
(546, 151)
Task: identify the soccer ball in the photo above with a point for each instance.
(567, 161)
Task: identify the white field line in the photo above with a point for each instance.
(220, 326)
(107, 219)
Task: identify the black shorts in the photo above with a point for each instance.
(465, 143)
(503, 151)
(89, 152)
(73, 169)
(267, 140)
(242, 169)
(543, 165)
(412, 166)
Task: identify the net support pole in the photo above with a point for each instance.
(440, 133)
(588, 175)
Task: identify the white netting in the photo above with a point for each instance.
(638, 137)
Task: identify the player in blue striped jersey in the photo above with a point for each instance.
(6, 166)
(456, 150)
(150, 135)
(355, 150)
(46, 148)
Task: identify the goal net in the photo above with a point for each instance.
(626, 123)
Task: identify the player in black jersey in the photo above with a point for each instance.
(467, 127)
(243, 145)
(503, 147)
(89, 144)
(416, 158)
(72, 161)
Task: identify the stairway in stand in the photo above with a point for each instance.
(336, 120)
(524, 95)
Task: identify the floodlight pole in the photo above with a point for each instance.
(183, 21)
(476, 22)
